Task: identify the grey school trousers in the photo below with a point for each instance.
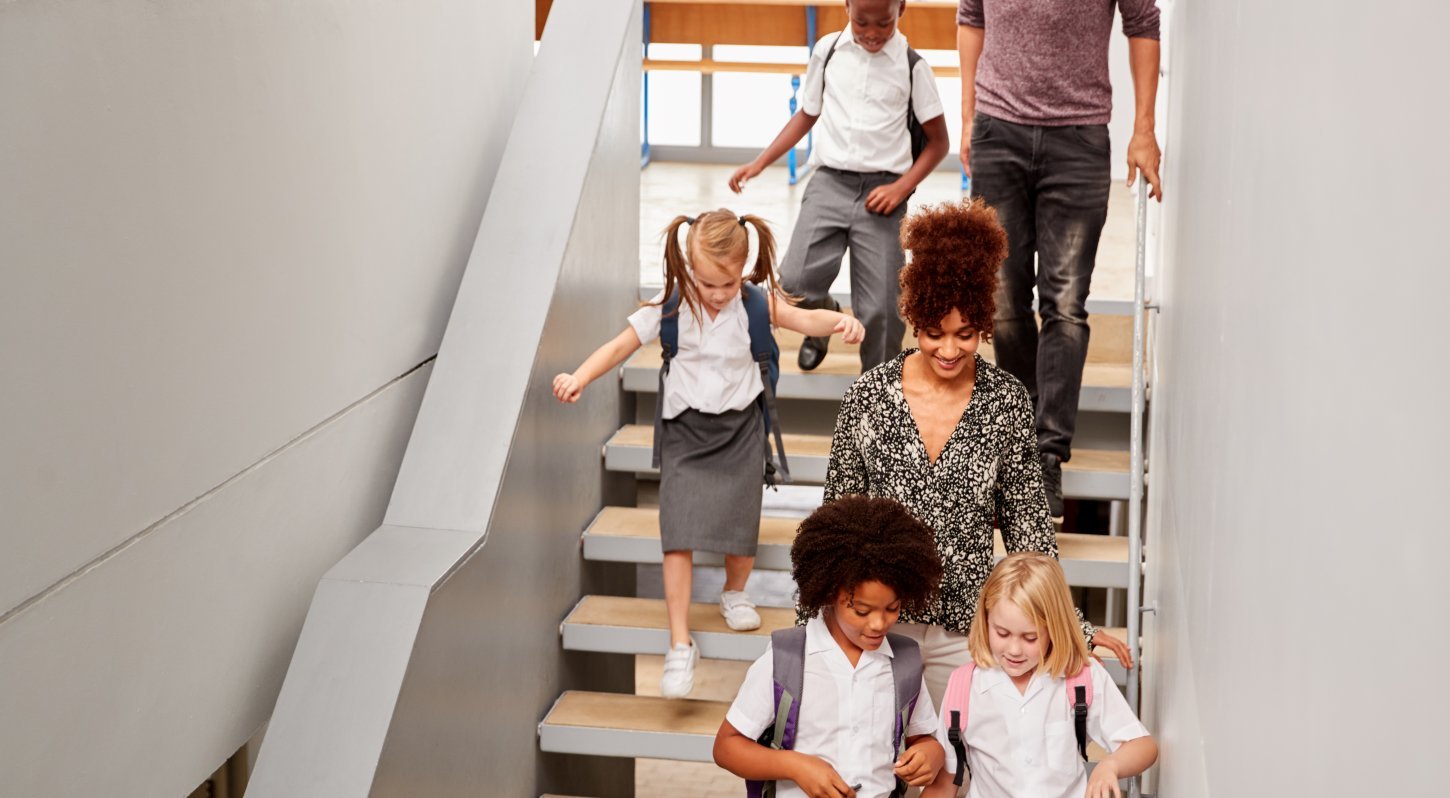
(833, 219)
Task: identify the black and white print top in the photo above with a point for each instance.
(989, 469)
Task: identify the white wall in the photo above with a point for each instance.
(1297, 519)
(230, 234)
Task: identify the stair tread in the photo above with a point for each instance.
(637, 713)
(846, 366)
(1098, 461)
(650, 614)
(634, 713)
(645, 613)
(644, 522)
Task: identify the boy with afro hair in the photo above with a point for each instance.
(855, 718)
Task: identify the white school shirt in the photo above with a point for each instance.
(847, 717)
(713, 370)
(1022, 745)
(862, 126)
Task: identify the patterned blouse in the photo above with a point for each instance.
(989, 469)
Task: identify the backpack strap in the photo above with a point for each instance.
(766, 353)
(906, 669)
(788, 668)
(829, 52)
(954, 706)
(669, 347)
(1080, 696)
(912, 57)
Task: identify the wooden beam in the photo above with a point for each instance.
(711, 67)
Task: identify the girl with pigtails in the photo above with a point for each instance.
(712, 437)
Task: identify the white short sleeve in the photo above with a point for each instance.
(924, 721)
(925, 100)
(646, 320)
(1111, 721)
(754, 706)
(813, 86)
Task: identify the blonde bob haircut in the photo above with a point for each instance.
(1034, 582)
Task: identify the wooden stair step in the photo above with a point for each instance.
(1091, 474)
(1106, 385)
(625, 625)
(632, 534)
(614, 724)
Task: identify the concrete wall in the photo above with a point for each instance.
(1298, 545)
(230, 235)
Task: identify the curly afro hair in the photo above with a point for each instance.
(857, 539)
(956, 249)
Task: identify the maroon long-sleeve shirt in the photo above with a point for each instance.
(1045, 62)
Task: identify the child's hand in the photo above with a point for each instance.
(884, 199)
(1104, 781)
(744, 173)
(818, 779)
(921, 762)
(851, 330)
(567, 388)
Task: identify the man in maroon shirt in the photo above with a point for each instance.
(1035, 108)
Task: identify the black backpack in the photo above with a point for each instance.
(914, 130)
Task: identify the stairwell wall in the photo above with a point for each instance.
(1296, 547)
(230, 234)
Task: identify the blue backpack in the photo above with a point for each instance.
(763, 349)
(788, 666)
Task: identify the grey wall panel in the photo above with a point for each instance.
(499, 478)
(488, 662)
(1297, 453)
(220, 224)
(143, 675)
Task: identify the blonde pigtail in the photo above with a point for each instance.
(764, 271)
(677, 271)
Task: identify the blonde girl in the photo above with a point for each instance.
(1014, 698)
(713, 444)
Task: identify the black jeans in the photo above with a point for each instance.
(1050, 188)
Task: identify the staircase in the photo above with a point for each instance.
(617, 725)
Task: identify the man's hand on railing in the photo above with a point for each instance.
(1143, 153)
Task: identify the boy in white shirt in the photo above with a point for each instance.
(858, 719)
(862, 83)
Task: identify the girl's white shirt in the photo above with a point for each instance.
(713, 372)
(1023, 744)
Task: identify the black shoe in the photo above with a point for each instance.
(813, 350)
(1052, 484)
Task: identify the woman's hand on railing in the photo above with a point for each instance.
(1113, 644)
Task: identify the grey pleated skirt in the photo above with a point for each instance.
(712, 470)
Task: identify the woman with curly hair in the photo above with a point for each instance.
(948, 434)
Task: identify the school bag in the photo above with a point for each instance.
(914, 130)
(958, 699)
(788, 668)
(763, 349)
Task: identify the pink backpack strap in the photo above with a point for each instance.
(1080, 697)
(954, 706)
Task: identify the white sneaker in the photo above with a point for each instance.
(739, 611)
(679, 676)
